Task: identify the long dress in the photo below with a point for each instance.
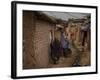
(55, 50)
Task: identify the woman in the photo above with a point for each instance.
(55, 50)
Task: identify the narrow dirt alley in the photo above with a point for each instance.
(77, 58)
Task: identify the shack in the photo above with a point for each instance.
(79, 31)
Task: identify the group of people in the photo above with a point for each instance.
(59, 48)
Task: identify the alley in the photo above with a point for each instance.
(76, 59)
(46, 40)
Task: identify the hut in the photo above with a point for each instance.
(73, 29)
(36, 39)
(75, 34)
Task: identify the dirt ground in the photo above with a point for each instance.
(77, 58)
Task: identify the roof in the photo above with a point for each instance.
(66, 15)
(45, 17)
(77, 20)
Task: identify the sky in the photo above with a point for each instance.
(65, 15)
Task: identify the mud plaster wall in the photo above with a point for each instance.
(28, 47)
(42, 43)
(36, 41)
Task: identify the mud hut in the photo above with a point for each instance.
(36, 39)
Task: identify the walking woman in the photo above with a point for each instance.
(55, 45)
(55, 50)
